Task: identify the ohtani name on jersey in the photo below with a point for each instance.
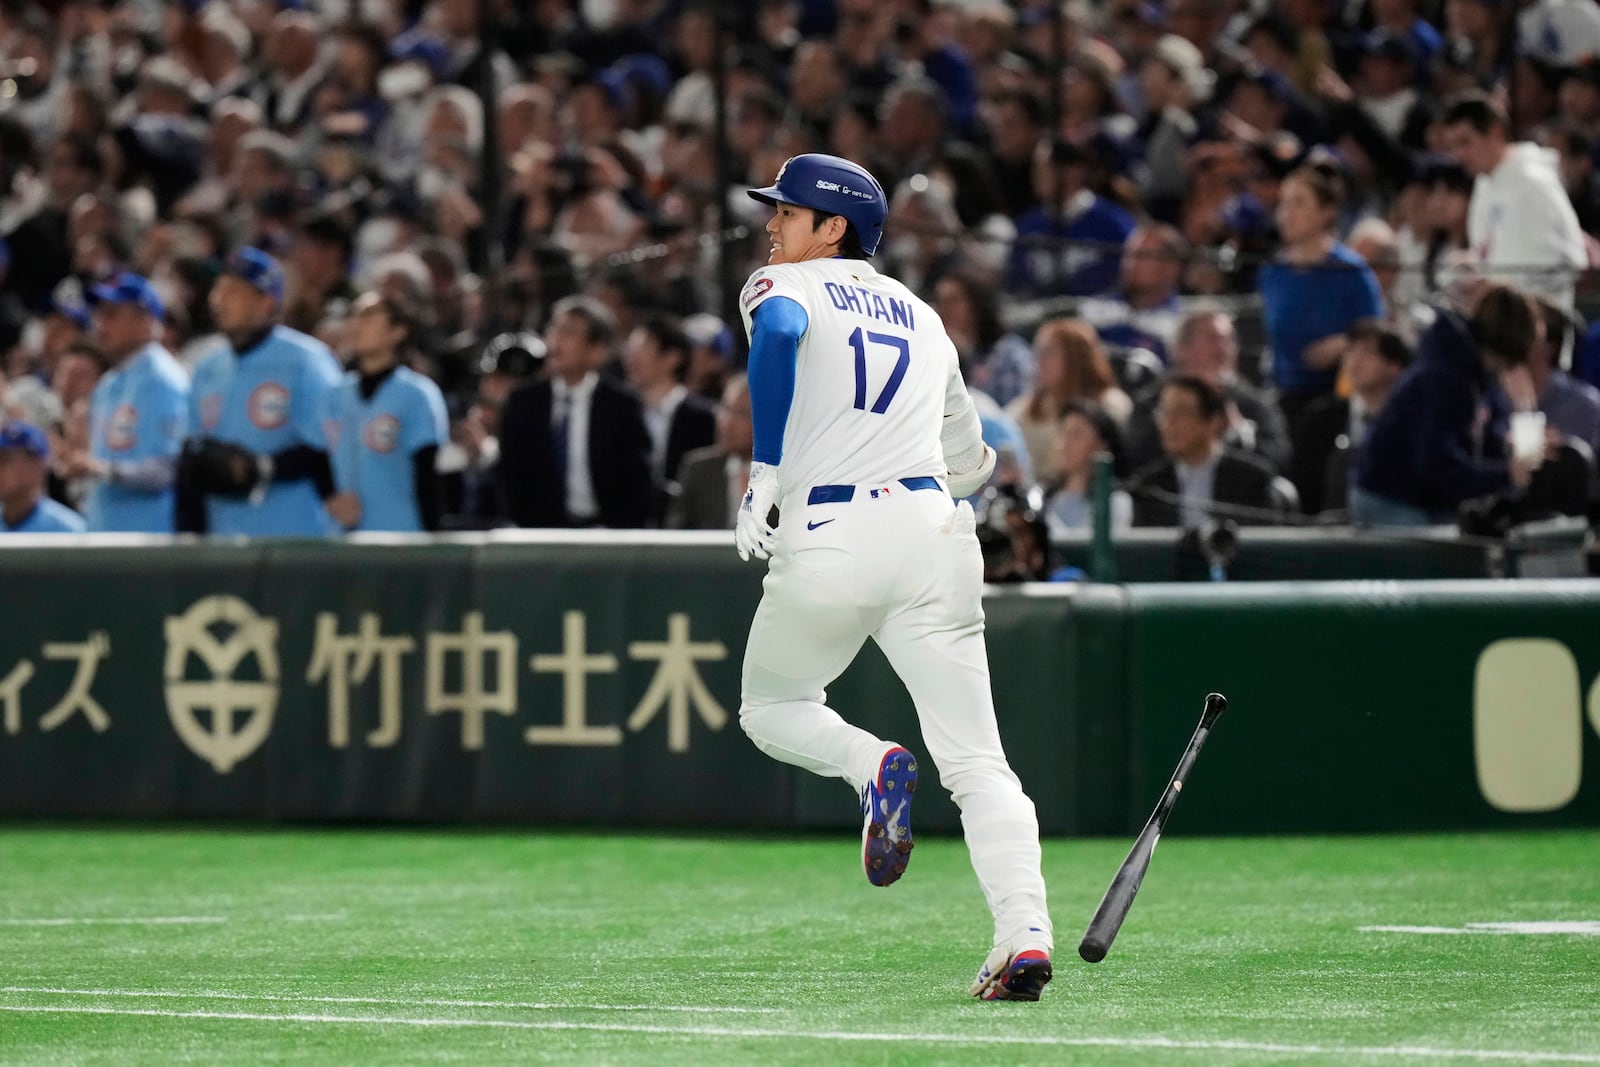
(864, 301)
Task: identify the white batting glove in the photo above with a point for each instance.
(751, 534)
(965, 483)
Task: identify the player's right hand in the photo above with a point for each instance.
(751, 534)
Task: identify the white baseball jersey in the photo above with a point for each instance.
(874, 375)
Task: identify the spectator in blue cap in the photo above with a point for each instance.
(710, 354)
(256, 462)
(136, 414)
(24, 468)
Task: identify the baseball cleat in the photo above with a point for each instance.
(1005, 976)
(886, 818)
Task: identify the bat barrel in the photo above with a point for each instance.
(1113, 909)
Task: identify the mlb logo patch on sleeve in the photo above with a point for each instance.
(757, 289)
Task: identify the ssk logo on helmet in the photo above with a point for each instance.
(122, 429)
(269, 406)
(382, 433)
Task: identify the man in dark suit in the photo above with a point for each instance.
(656, 361)
(1198, 471)
(712, 480)
(1333, 426)
(573, 446)
(1207, 347)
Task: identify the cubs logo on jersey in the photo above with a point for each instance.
(269, 406)
(382, 433)
(210, 411)
(122, 428)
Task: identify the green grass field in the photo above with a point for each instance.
(162, 946)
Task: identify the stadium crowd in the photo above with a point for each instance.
(272, 267)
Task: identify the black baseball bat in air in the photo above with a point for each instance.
(1119, 896)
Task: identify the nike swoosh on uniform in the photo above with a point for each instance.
(814, 525)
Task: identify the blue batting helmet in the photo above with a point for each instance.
(835, 186)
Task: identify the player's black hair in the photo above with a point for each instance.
(849, 244)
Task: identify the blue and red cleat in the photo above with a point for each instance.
(1021, 976)
(886, 818)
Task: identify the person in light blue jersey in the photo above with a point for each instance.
(24, 466)
(137, 414)
(256, 461)
(385, 425)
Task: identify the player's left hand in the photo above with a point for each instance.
(751, 534)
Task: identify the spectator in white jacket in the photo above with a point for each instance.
(1521, 226)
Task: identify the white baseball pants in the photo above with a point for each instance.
(903, 567)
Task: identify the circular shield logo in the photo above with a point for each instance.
(269, 406)
(122, 429)
(382, 433)
(224, 713)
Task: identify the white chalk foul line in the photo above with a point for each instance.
(1579, 928)
(158, 920)
(151, 920)
(401, 1002)
(1343, 1051)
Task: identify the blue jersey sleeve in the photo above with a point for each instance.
(775, 331)
(164, 412)
(318, 380)
(341, 435)
(426, 424)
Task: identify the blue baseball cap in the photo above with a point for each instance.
(129, 288)
(76, 313)
(705, 329)
(26, 436)
(259, 269)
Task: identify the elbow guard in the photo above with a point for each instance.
(965, 483)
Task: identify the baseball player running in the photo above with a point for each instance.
(863, 433)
